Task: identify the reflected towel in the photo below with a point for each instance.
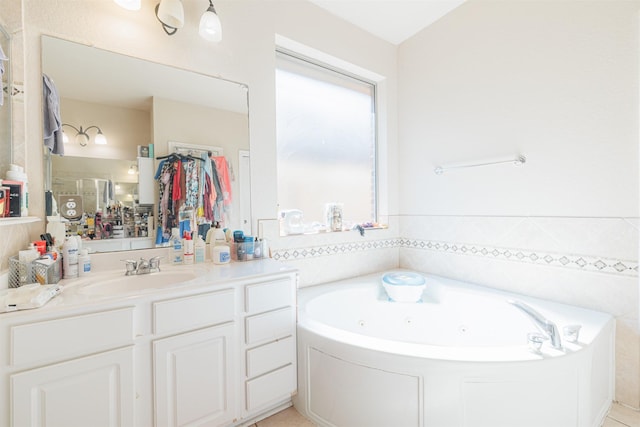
(52, 124)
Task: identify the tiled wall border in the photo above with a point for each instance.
(290, 254)
(539, 257)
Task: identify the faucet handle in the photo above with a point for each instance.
(536, 340)
(154, 262)
(131, 266)
(571, 332)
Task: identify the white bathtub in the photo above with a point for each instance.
(458, 358)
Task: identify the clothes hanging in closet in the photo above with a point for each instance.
(201, 188)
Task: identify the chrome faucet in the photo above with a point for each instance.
(547, 327)
(143, 266)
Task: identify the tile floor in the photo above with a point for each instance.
(620, 416)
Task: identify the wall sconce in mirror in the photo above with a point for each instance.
(170, 13)
(82, 137)
(129, 4)
(133, 169)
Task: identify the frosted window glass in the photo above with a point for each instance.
(325, 124)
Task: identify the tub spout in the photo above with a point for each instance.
(547, 327)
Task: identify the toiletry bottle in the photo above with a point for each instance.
(84, 263)
(200, 249)
(187, 246)
(177, 256)
(221, 254)
(16, 173)
(70, 258)
(220, 250)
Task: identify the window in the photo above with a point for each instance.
(326, 142)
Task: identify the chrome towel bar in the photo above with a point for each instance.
(519, 160)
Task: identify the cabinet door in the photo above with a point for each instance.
(194, 377)
(96, 390)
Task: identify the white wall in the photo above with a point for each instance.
(558, 83)
(124, 128)
(555, 81)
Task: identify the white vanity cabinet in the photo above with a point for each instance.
(269, 345)
(219, 352)
(194, 367)
(73, 370)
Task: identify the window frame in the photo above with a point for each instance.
(308, 60)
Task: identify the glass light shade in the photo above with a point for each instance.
(65, 138)
(210, 27)
(129, 4)
(82, 139)
(100, 139)
(171, 13)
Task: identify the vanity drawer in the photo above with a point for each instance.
(271, 387)
(57, 339)
(192, 312)
(268, 295)
(269, 326)
(270, 356)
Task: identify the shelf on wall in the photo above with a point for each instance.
(19, 220)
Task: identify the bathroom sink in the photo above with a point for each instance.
(127, 284)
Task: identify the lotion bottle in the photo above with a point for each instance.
(177, 256)
(188, 248)
(84, 263)
(70, 258)
(200, 249)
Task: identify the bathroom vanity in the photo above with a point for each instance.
(216, 348)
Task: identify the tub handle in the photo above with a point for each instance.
(571, 333)
(536, 340)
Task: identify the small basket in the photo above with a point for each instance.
(247, 251)
(23, 273)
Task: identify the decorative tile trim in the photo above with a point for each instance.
(332, 249)
(546, 258)
(578, 262)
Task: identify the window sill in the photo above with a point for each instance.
(324, 232)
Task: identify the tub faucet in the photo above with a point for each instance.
(547, 327)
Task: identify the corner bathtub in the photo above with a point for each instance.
(460, 357)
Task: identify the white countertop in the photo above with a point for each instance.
(81, 292)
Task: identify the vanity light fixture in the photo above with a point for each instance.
(129, 4)
(210, 27)
(133, 169)
(82, 137)
(170, 13)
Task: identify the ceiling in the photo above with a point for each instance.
(391, 20)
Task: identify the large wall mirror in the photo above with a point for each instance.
(5, 101)
(146, 111)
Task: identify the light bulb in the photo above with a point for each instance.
(100, 139)
(210, 26)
